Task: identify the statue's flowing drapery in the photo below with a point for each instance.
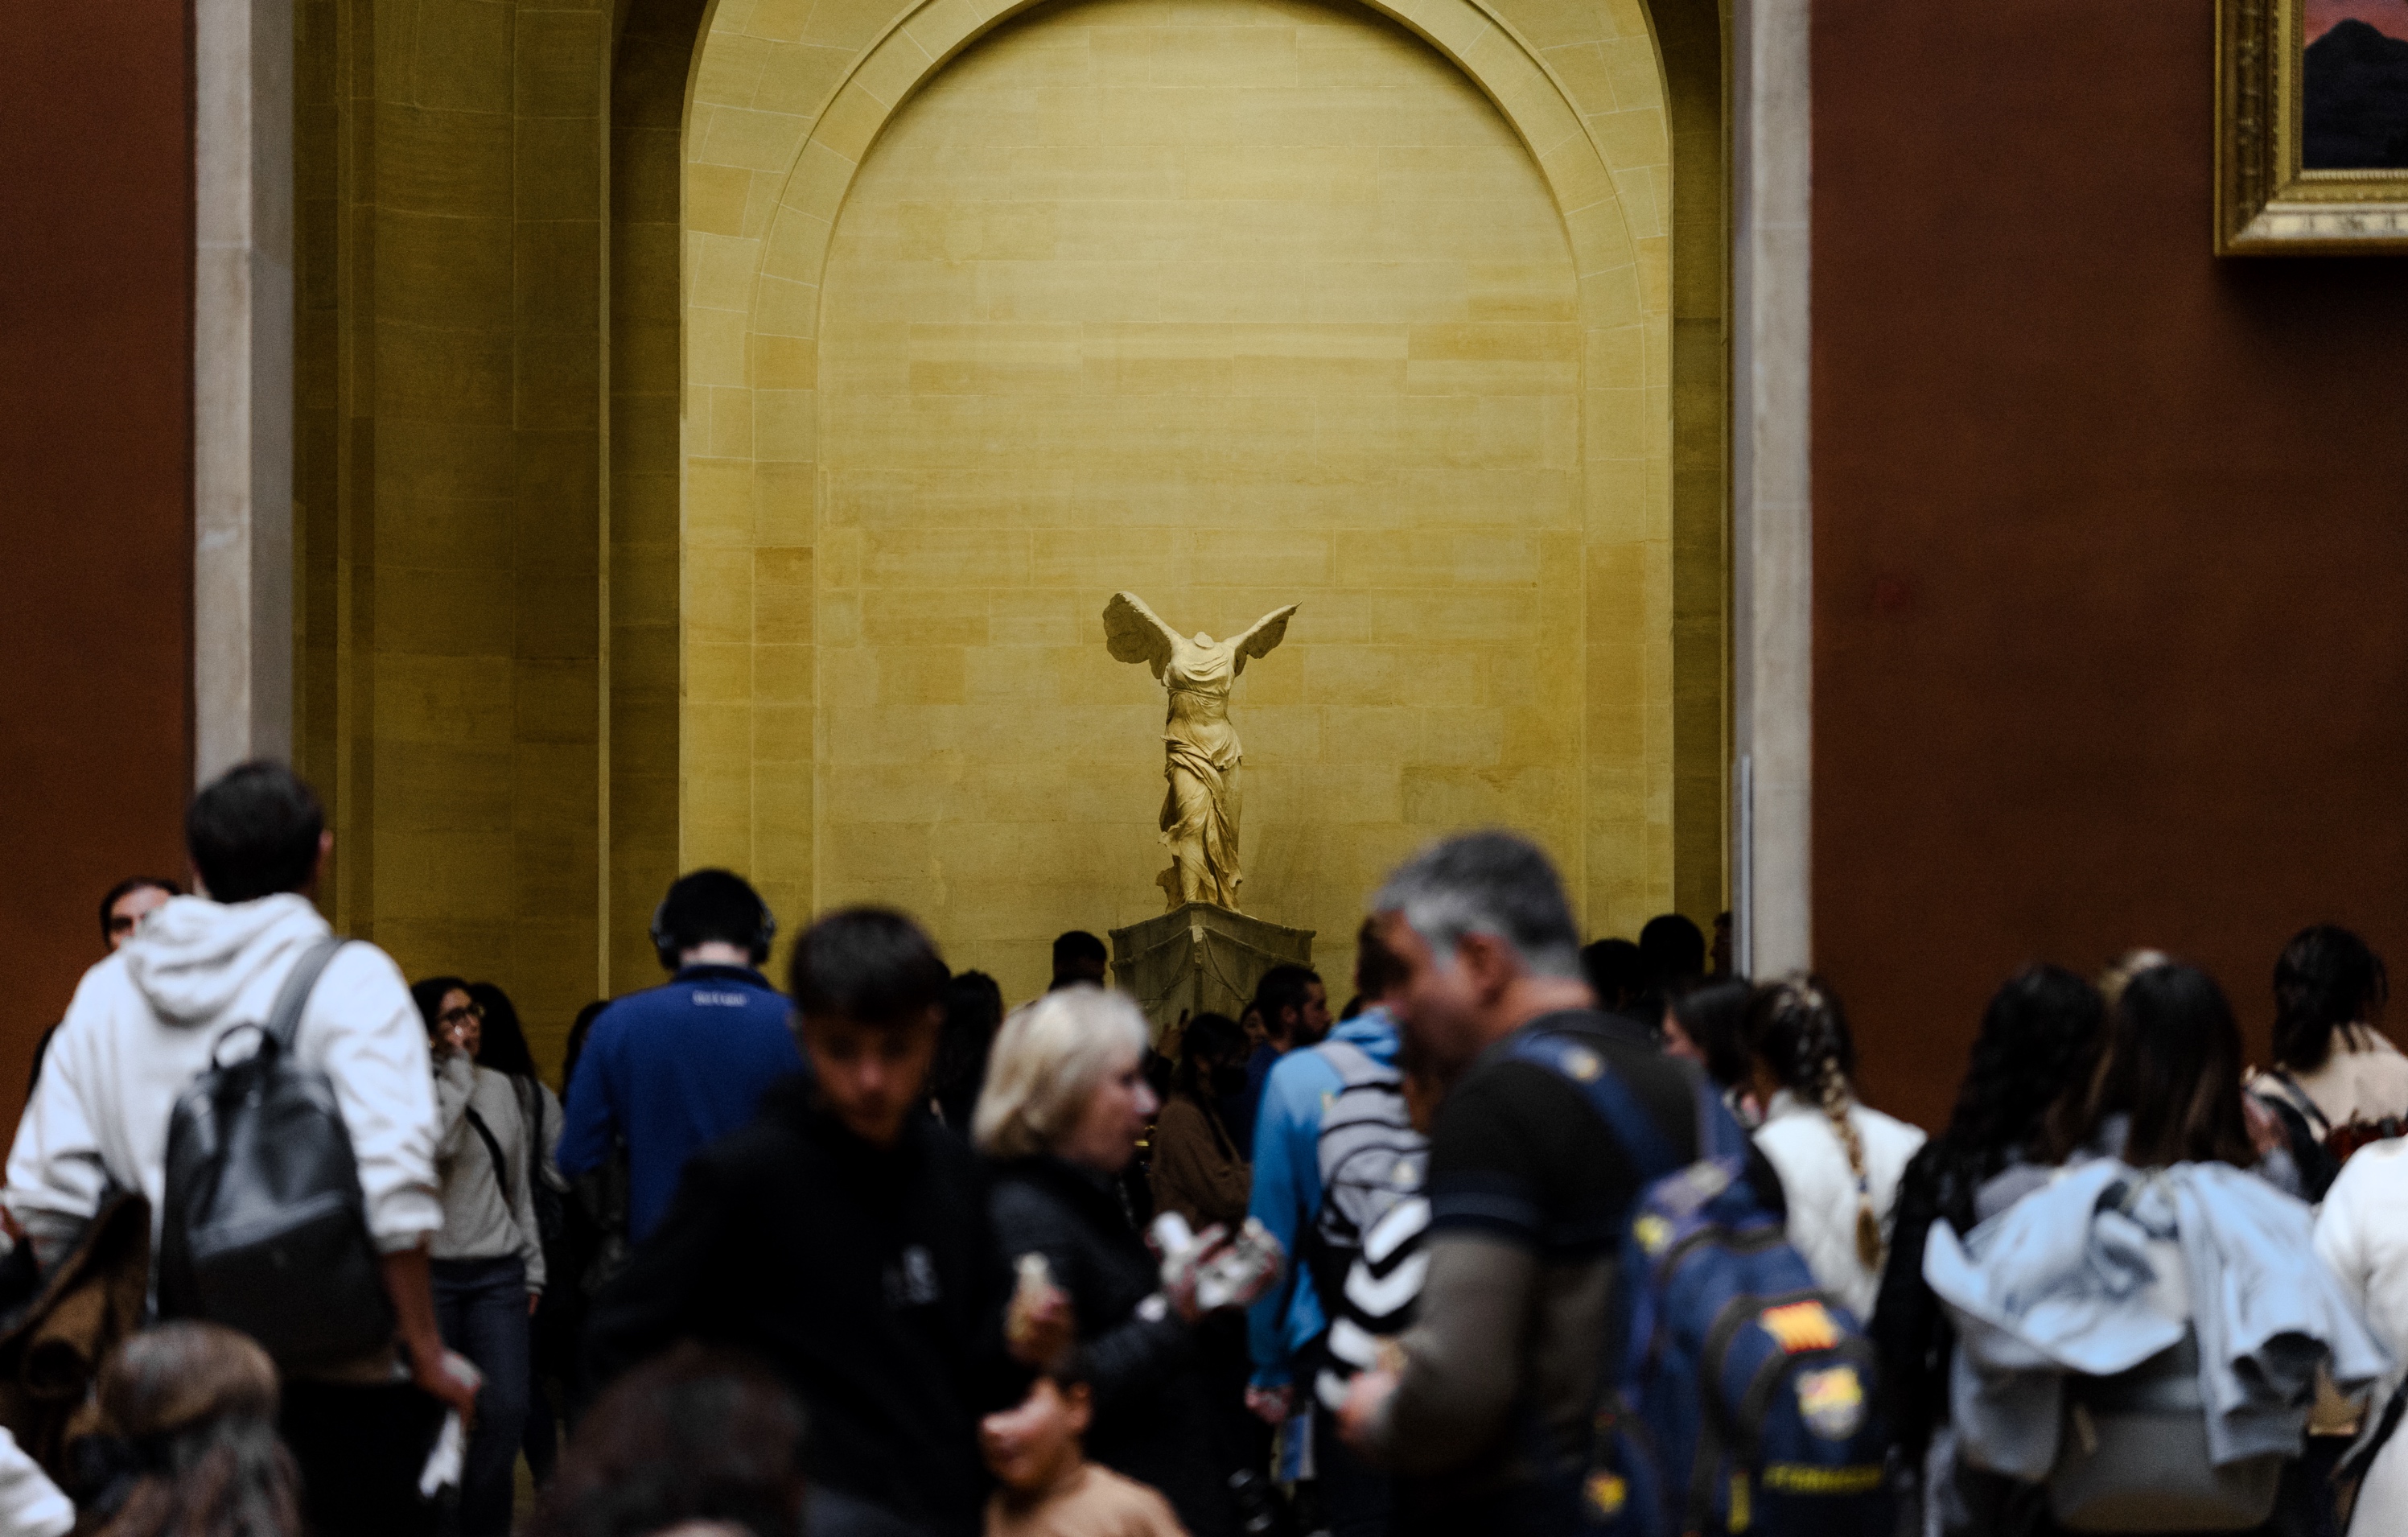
(1201, 758)
(1201, 755)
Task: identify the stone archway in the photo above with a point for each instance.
(772, 610)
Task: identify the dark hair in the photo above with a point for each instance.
(871, 965)
(1617, 972)
(427, 993)
(1072, 1370)
(2328, 977)
(1797, 1028)
(503, 1046)
(575, 1047)
(1715, 1018)
(707, 905)
(2172, 1061)
(130, 885)
(1284, 988)
(2039, 1040)
(1208, 1038)
(692, 1435)
(254, 832)
(973, 1013)
(1671, 950)
(1377, 970)
(1076, 946)
(1498, 884)
(197, 1401)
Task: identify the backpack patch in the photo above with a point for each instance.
(1735, 1395)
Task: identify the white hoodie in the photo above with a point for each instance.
(143, 1025)
(2362, 1238)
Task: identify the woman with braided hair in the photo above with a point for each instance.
(1840, 1161)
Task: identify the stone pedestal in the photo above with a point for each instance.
(1200, 959)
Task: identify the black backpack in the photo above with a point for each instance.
(264, 1228)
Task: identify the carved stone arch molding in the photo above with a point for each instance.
(787, 103)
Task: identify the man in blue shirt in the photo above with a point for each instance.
(1284, 1329)
(1293, 1008)
(672, 1069)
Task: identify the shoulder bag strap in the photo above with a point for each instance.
(284, 1020)
(2358, 1458)
(493, 1150)
(1355, 1066)
(1585, 1070)
(2290, 1092)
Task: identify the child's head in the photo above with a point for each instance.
(1031, 1448)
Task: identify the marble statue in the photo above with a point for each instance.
(1200, 751)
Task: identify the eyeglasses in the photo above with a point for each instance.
(451, 1019)
(121, 923)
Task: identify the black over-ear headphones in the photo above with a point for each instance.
(667, 947)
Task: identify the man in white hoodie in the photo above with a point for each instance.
(142, 1026)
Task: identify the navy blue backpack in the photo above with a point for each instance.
(1736, 1396)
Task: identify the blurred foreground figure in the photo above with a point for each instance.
(196, 1406)
(1049, 1488)
(699, 1441)
(1064, 1107)
(151, 1019)
(1490, 1414)
(843, 1238)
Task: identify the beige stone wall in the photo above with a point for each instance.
(1234, 305)
(450, 163)
(796, 628)
(599, 579)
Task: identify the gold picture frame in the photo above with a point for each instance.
(2268, 201)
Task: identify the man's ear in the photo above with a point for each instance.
(1078, 1406)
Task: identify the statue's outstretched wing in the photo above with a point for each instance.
(1135, 633)
(1268, 631)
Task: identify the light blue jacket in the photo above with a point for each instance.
(2058, 1283)
(1287, 1185)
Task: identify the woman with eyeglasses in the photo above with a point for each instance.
(488, 1255)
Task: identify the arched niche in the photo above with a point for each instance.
(785, 103)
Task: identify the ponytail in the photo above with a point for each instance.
(1797, 1028)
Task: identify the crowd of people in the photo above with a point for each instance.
(1527, 1237)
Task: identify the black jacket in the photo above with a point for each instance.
(1153, 1419)
(870, 1280)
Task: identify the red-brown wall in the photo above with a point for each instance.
(2111, 537)
(95, 507)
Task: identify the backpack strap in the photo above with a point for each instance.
(284, 1020)
(1580, 1066)
(2285, 1089)
(1356, 1067)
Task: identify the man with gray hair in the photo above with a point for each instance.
(1490, 1414)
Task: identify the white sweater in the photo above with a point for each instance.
(1805, 1149)
(143, 1025)
(2362, 1238)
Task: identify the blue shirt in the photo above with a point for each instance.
(1287, 1184)
(672, 1069)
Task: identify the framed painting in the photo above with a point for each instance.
(2312, 126)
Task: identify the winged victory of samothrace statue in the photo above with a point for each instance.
(1200, 751)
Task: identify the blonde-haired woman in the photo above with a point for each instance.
(1840, 1161)
(1062, 1109)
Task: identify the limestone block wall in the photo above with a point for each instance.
(722, 421)
(450, 163)
(938, 404)
(1235, 304)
